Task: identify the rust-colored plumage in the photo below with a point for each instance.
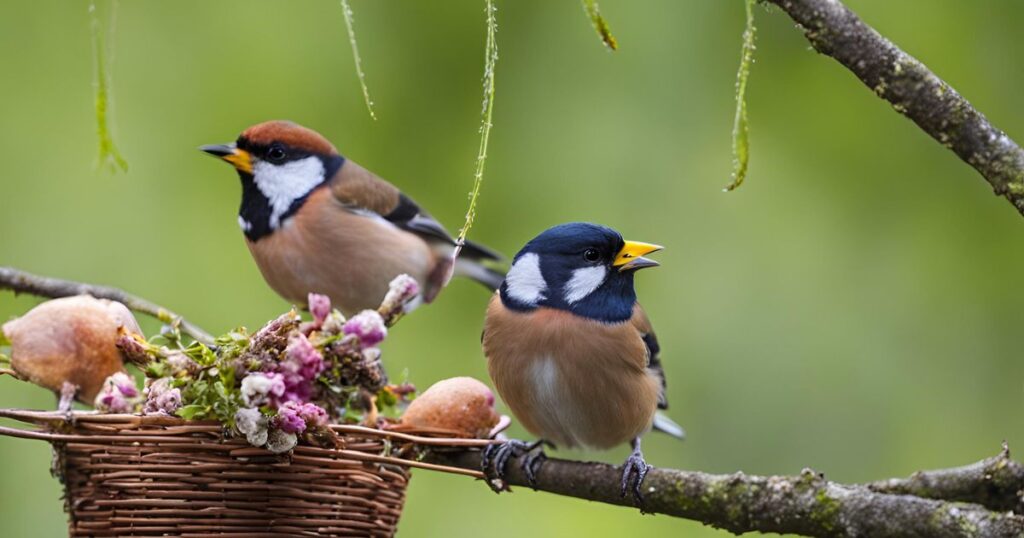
(571, 380)
(288, 133)
(317, 222)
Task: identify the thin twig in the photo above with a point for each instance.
(804, 504)
(914, 91)
(20, 281)
(995, 482)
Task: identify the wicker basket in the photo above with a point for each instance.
(129, 475)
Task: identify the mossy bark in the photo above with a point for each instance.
(805, 504)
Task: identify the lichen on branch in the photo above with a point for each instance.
(805, 504)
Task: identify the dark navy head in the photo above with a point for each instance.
(280, 164)
(583, 268)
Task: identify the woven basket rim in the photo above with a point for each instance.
(60, 427)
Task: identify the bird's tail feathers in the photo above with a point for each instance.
(473, 268)
(666, 425)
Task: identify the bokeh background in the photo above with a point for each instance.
(855, 307)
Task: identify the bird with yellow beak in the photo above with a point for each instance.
(316, 222)
(572, 353)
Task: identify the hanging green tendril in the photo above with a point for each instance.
(490, 61)
(740, 126)
(109, 156)
(350, 26)
(600, 25)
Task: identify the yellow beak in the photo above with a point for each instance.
(631, 256)
(239, 158)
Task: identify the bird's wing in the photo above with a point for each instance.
(358, 188)
(643, 324)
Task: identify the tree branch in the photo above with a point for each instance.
(913, 90)
(20, 281)
(996, 483)
(805, 504)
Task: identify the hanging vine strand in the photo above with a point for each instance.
(490, 61)
(350, 26)
(109, 156)
(600, 25)
(740, 126)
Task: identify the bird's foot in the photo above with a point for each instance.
(634, 469)
(68, 391)
(495, 458)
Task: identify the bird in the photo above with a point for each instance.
(317, 222)
(572, 353)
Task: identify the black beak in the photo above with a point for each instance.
(219, 150)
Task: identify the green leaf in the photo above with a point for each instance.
(600, 25)
(740, 126)
(157, 369)
(3, 339)
(192, 411)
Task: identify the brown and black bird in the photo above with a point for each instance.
(572, 353)
(316, 222)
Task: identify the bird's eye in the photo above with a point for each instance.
(591, 255)
(276, 154)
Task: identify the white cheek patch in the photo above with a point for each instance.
(282, 184)
(583, 282)
(244, 224)
(524, 281)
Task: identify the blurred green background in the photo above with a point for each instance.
(854, 307)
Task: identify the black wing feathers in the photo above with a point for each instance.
(409, 216)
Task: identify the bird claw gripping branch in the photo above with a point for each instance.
(495, 458)
(634, 470)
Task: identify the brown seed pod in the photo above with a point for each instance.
(459, 403)
(71, 339)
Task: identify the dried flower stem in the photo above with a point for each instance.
(350, 26)
(490, 61)
(20, 281)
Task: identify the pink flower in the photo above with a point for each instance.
(118, 395)
(368, 326)
(302, 353)
(289, 419)
(296, 417)
(161, 398)
(314, 415)
(124, 383)
(112, 402)
(400, 291)
(169, 401)
(259, 387)
(320, 307)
